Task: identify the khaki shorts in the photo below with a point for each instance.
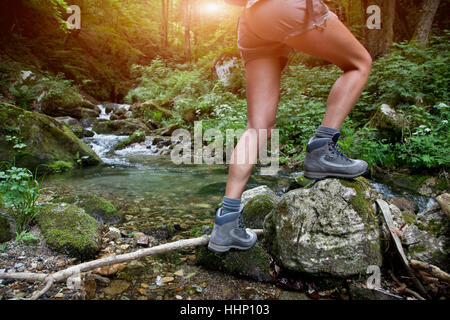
(262, 28)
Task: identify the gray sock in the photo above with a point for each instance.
(230, 205)
(325, 132)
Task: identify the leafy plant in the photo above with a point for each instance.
(19, 191)
(26, 237)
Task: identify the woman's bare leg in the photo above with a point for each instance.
(263, 89)
(337, 45)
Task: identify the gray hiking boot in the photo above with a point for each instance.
(325, 159)
(229, 232)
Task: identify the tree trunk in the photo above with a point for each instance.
(378, 41)
(423, 28)
(165, 24)
(187, 36)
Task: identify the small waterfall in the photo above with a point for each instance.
(103, 114)
(223, 69)
(103, 144)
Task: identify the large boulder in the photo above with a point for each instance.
(70, 230)
(36, 140)
(330, 228)
(68, 103)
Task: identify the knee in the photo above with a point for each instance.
(366, 64)
(363, 63)
(262, 128)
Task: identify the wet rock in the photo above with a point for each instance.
(137, 136)
(7, 227)
(444, 203)
(261, 190)
(47, 141)
(113, 233)
(256, 209)
(135, 267)
(117, 287)
(428, 238)
(358, 292)
(97, 207)
(120, 127)
(69, 229)
(405, 204)
(167, 131)
(253, 263)
(331, 228)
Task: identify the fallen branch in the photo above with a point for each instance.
(62, 275)
(403, 288)
(433, 270)
(398, 245)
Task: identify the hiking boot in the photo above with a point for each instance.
(325, 159)
(229, 232)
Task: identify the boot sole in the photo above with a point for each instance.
(221, 249)
(322, 175)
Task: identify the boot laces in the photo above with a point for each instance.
(336, 149)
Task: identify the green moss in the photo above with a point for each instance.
(302, 181)
(359, 202)
(68, 229)
(99, 208)
(256, 209)
(137, 136)
(408, 217)
(253, 263)
(59, 166)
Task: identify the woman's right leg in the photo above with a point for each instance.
(263, 86)
(263, 89)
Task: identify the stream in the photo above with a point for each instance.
(154, 193)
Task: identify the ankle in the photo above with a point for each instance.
(230, 205)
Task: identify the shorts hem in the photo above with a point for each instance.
(324, 19)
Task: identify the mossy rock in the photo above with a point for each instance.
(59, 166)
(68, 229)
(7, 227)
(137, 136)
(388, 122)
(256, 209)
(328, 229)
(68, 103)
(253, 263)
(97, 207)
(47, 141)
(120, 127)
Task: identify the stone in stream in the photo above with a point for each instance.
(427, 239)
(124, 127)
(97, 207)
(258, 202)
(47, 143)
(405, 204)
(137, 136)
(70, 230)
(444, 203)
(330, 228)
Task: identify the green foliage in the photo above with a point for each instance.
(19, 191)
(26, 237)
